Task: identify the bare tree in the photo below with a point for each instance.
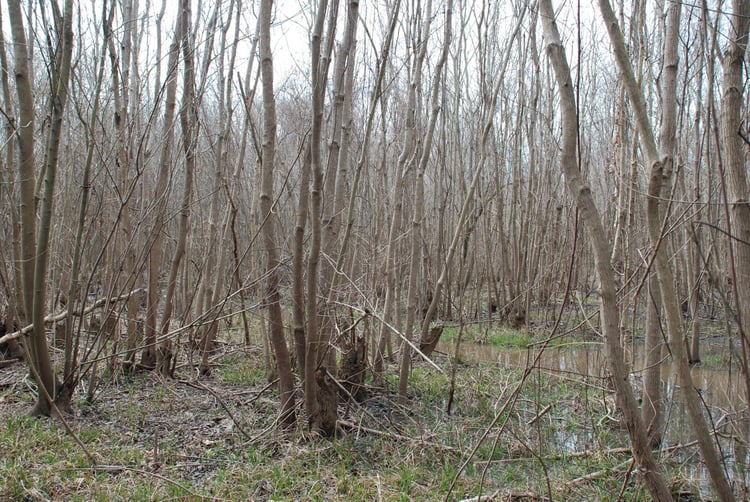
(602, 253)
(124, 117)
(12, 274)
(488, 124)
(320, 400)
(420, 165)
(160, 199)
(71, 373)
(214, 277)
(189, 127)
(660, 168)
(734, 152)
(35, 249)
(273, 296)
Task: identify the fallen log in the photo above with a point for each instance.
(53, 318)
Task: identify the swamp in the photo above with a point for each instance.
(519, 428)
(395, 250)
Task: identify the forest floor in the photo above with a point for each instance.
(544, 436)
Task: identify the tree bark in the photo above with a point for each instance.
(13, 273)
(660, 168)
(159, 198)
(273, 263)
(26, 160)
(602, 252)
(734, 153)
(38, 249)
(651, 407)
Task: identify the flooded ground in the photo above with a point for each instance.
(721, 388)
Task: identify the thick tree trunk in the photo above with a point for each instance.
(26, 177)
(35, 249)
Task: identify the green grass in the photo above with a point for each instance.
(172, 442)
(506, 337)
(243, 371)
(499, 336)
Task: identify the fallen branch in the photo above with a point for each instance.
(510, 496)
(200, 386)
(399, 437)
(539, 415)
(8, 362)
(53, 318)
(588, 453)
(598, 474)
(627, 463)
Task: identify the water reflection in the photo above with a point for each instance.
(721, 390)
(718, 387)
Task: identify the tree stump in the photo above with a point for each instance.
(327, 403)
(352, 369)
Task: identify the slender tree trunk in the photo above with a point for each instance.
(70, 371)
(336, 176)
(734, 153)
(416, 233)
(651, 409)
(469, 197)
(298, 265)
(273, 263)
(660, 167)
(693, 232)
(189, 126)
(14, 275)
(220, 163)
(161, 191)
(315, 369)
(376, 98)
(592, 221)
(125, 245)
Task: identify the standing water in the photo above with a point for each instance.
(721, 389)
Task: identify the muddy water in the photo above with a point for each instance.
(722, 391)
(720, 388)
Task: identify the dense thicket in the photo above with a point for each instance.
(327, 163)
